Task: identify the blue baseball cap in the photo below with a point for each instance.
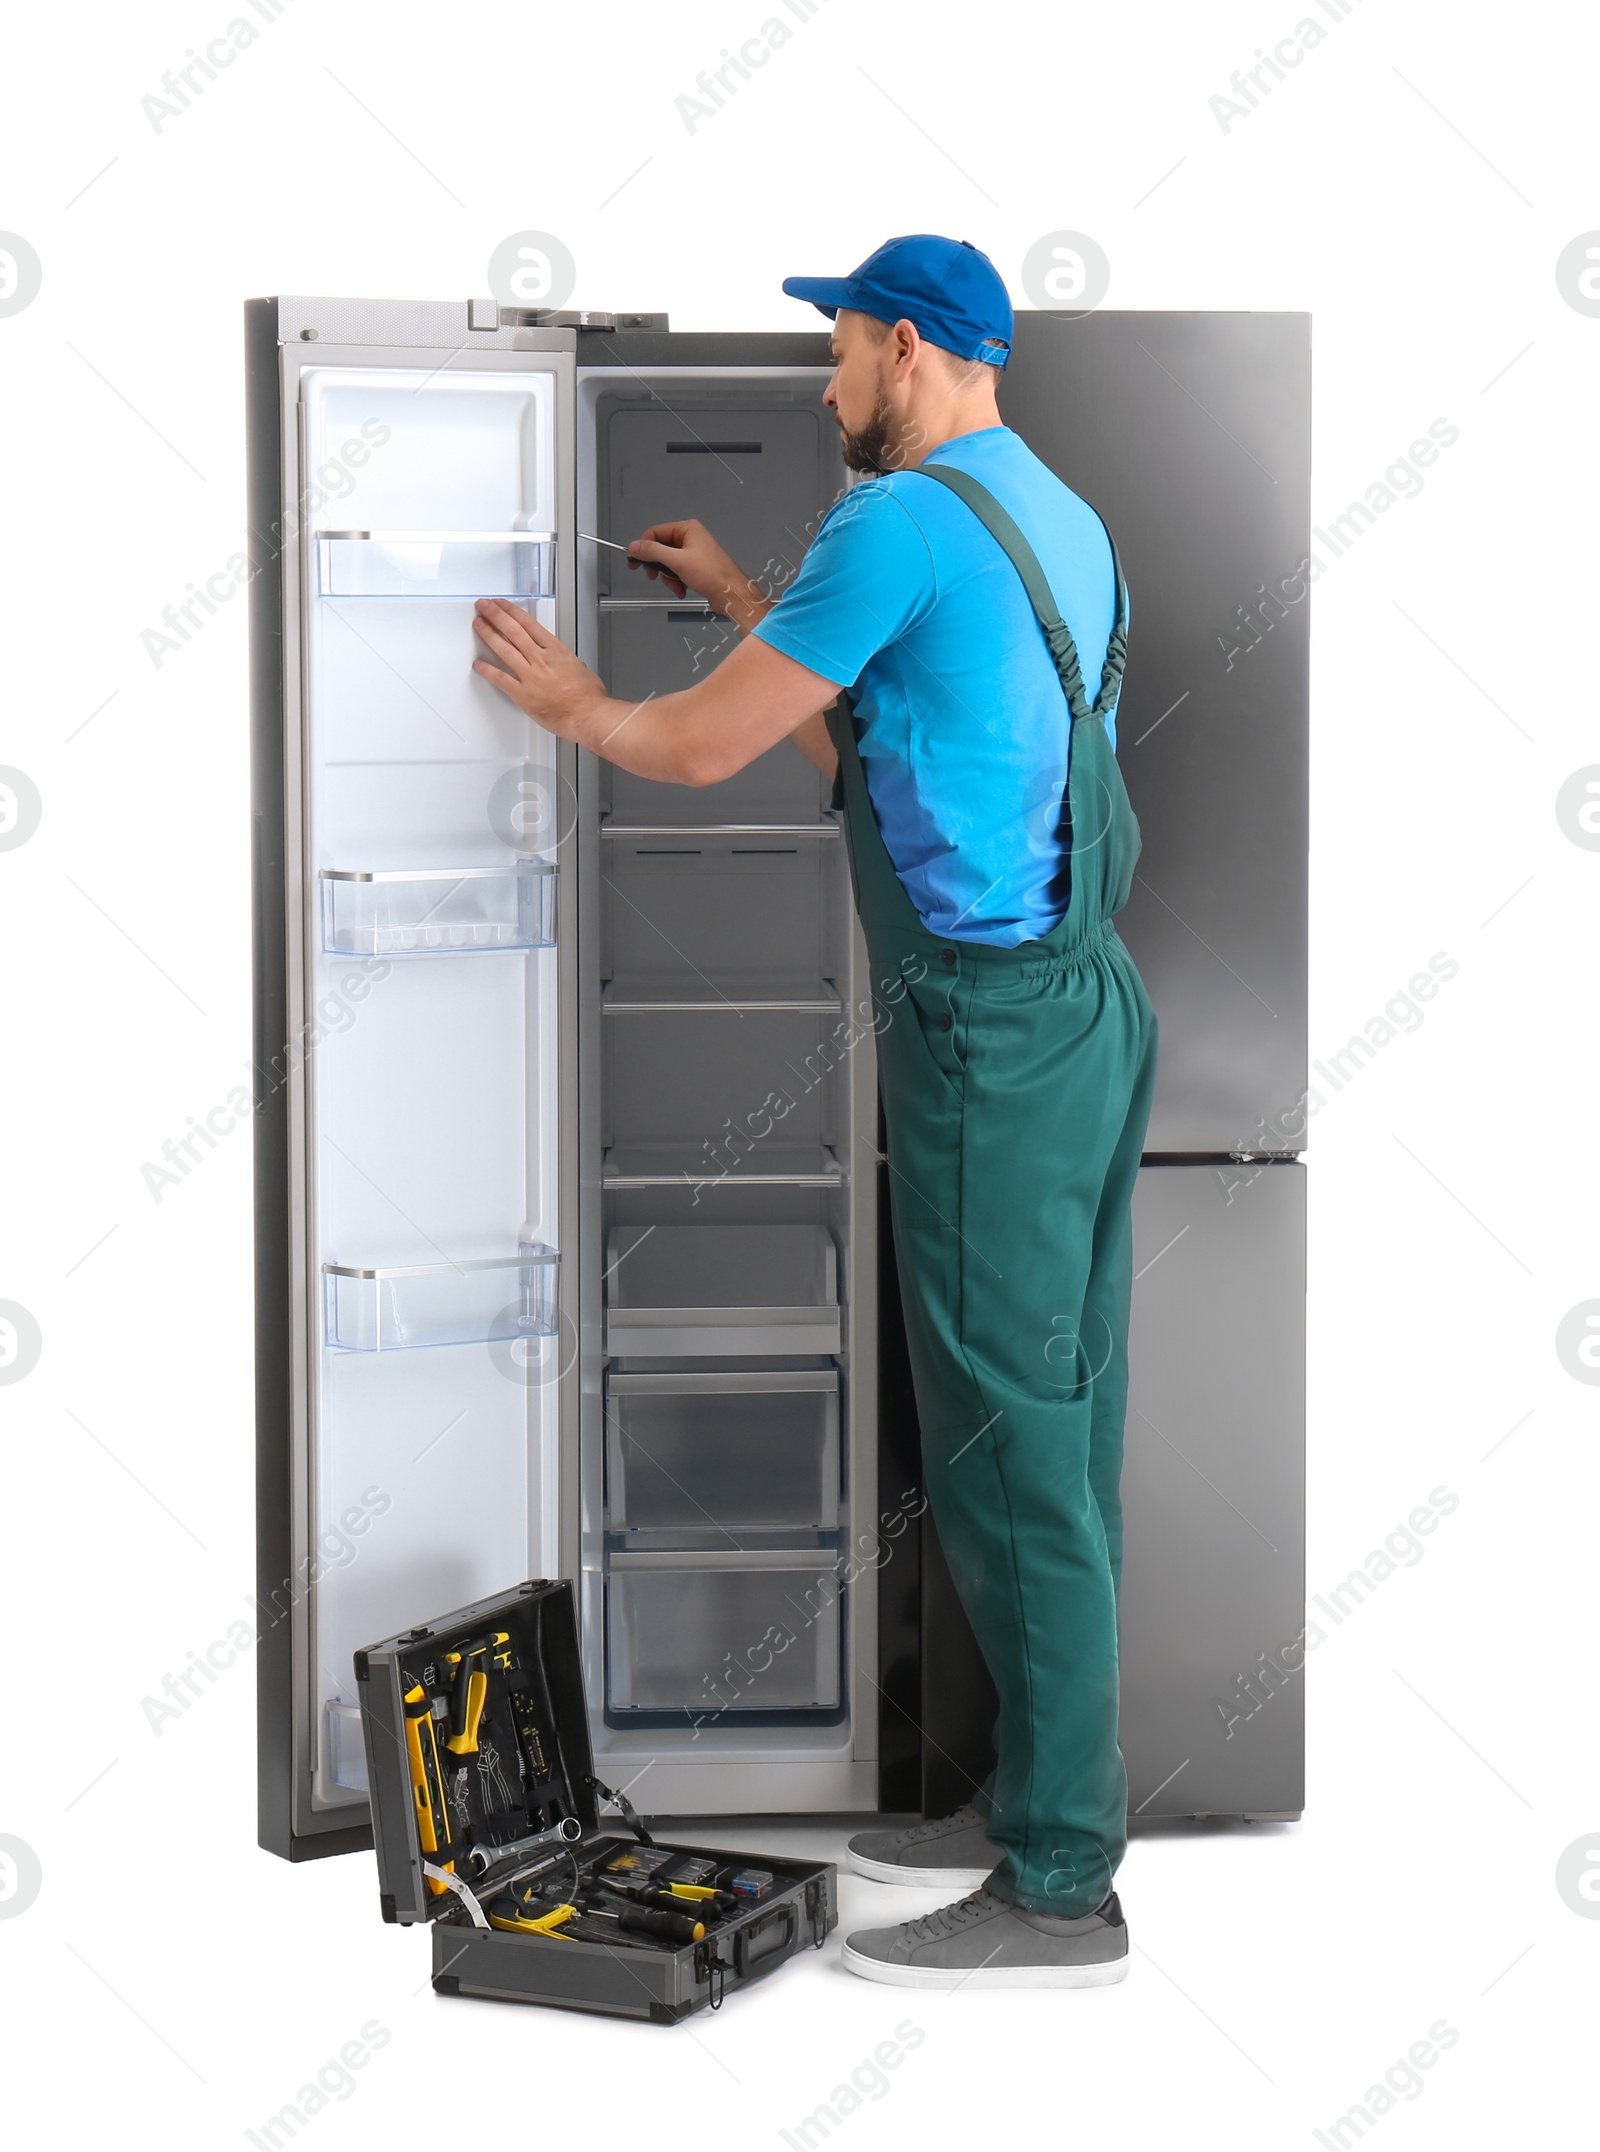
(947, 290)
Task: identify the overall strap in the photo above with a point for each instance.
(1057, 634)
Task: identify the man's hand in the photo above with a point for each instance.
(535, 668)
(688, 552)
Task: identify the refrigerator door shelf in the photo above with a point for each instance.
(723, 1634)
(346, 1756)
(439, 911)
(485, 1301)
(436, 564)
(708, 1453)
(693, 1165)
(729, 996)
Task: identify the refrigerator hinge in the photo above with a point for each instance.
(536, 317)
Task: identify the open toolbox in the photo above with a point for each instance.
(486, 1823)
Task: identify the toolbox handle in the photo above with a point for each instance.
(788, 1913)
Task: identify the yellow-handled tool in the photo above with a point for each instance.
(427, 1791)
(541, 1924)
(471, 1691)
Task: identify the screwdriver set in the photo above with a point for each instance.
(486, 1823)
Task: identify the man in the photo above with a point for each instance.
(990, 843)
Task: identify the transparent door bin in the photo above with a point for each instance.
(707, 1452)
(345, 1760)
(436, 564)
(705, 1291)
(722, 1635)
(482, 1302)
(439, 911)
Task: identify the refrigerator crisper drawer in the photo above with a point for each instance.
(705, 1291)
(438, 911)
(400, 1306)
(722, 1633)
(758, 1448)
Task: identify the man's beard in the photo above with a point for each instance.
(874, 448)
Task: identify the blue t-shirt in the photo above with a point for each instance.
(964, 730)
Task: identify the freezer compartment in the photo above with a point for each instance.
(402, 1306)
(435, 564)
(700, 1291)
(723, 1634)
(438, 911)
(723, 1451)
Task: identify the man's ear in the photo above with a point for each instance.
(907, 349)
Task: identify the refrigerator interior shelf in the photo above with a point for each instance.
(715, 1333)
(678, 1165)
(481, 1301)
(689, 606)
(436, 564)
(646, 997)
(718, 831)
(820, 1560)
(438, 911)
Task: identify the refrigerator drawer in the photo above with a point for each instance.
(438, 911)
(723, 1633)
(734, 1450)
(708, 1291)
(473, 1303)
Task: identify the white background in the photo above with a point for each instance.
(1412, 183)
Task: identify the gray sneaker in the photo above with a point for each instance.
(953, 1852)
(984, 1943)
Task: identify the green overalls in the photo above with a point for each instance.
(1016, 1087)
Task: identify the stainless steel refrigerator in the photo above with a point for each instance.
(569, 1247)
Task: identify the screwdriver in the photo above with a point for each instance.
(670, 1927)
(674, 582)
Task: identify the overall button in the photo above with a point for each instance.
(947, 956)
(946, 1021)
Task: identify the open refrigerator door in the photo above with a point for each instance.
(418, 1070)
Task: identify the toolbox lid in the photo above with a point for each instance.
(477, 1735)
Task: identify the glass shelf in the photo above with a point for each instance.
(716, 831)
(645, 997)
(436, 564)
(438, 911)
(481, 1302)
(693, 1165)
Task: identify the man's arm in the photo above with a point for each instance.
(754, 698)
